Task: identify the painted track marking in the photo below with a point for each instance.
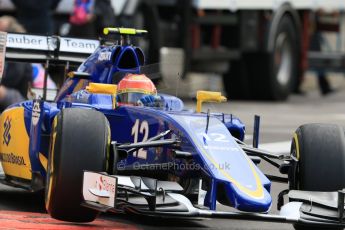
(30, 220)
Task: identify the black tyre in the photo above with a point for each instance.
(267, 75)
(320, 150)
(236, 81)
(277, 72)
(79, 141)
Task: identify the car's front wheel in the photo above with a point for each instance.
(79, 141)
(320, 153)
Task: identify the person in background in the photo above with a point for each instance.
(38, 73)
(17, 77)
(323, 82)
(89, 17)
(8, 97)
(82, 19)
(316, 45)
(36, 15)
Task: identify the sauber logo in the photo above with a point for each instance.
(6, 135)
(104, 56)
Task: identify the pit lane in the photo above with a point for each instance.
(278, 122)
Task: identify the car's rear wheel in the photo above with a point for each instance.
(320, 151)
(79, 141)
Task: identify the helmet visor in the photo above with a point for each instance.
(130, 97)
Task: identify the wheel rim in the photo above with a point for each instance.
(294, 183)
(283, 59)
(294, 173)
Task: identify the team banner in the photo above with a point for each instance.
(32, 42)
(86, 46)
(37, 48)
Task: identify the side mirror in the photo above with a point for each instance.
(208, 96)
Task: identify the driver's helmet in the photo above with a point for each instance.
(133, 87)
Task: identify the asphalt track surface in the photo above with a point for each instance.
(22, 210)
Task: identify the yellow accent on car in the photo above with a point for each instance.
(258, 193)
(43, 160)
(295, 137)
(105, 31)
(72, 74)
(51, 164)
(108, 148)
(208, 96)
(80, 85)
(127, 31)
(123, 31)
(102, 88)
(15, 157)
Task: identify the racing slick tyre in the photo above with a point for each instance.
(320, 151)
(79, 141)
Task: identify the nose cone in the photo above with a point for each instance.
(246, 201)
(234, 178)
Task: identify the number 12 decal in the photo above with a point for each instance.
(142, 128)
(218, 137)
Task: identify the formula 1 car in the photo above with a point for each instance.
(92, 154)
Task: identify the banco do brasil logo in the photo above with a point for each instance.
(7, 128)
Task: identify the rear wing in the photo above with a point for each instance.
(35, 48)
(44, 49)
(40, 49)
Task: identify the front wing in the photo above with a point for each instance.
(151, 197)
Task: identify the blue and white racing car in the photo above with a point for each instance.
(93, 154)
